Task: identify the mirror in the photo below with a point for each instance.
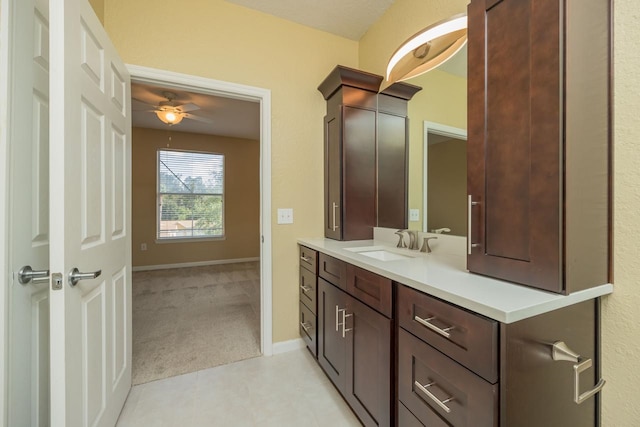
(439, 110)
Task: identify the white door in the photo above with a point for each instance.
(90, 224)
(28, 350)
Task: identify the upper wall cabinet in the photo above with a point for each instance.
(366, 154)
(539, 139)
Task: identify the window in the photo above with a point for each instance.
(190, 195)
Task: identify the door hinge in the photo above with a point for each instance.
(262, 238)
(56, 281)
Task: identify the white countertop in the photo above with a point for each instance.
(445, 276)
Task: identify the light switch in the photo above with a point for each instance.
(285, 216)
(414, 214)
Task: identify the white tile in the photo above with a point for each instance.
(288, 389)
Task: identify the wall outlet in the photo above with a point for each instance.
(414, 214)
(285, 216)
(143, 247)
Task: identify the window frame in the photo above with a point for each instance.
(192, 239)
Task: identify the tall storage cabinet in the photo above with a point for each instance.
(365, 154)
(539, 142)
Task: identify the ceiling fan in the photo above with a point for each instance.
(172, 112)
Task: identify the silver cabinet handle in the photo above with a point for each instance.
(306, 326)
(305, 289)
(470, 204)
(334, 227)
(344, 322)
(26, 274)
(75, 276)
(338, 310)
(561, 352)
(305, 258)
(440, 403)
(442, 331)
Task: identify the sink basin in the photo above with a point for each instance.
(380, 254)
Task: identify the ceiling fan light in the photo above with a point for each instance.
(170, 116)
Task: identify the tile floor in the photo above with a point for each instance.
(288, 389)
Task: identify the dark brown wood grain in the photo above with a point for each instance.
(333, 270)
(332, 347)
(473, 340)
(308, 289)
(369, 374)
(308, 328)
(372, 289)
(474, 401)
(538, 145)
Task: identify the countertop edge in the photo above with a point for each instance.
(546, 301)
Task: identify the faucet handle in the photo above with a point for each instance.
(425, 244)
(400, 234)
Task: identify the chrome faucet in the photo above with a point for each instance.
(413, 239)
(401, 244)
(425, 244)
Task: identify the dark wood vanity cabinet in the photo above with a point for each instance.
(365, 154)
(539, 140)
(308, 283)
(355, 345)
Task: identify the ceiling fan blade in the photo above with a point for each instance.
(138, 105)
(198, 118)
(185, 108)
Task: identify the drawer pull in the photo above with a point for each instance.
(440, 403)
(442, 331)
(334, 226)
(305, 289)
(306, 326)
(305, 258)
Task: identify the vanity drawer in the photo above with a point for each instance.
(435, 388)
(333, 270)
(370, 288)
(468, 338)
(308, 285)
(308, 330)
(308, 259)
(407, 419)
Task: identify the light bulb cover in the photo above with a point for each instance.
(442, 39)
(170, 116)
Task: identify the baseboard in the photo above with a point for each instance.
(192, 264)
(286, 346)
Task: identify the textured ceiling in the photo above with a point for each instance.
(346, 18)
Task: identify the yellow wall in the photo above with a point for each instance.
(219, 40)
(241, 199)
(620, 321)
(98, 8)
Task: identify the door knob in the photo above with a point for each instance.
(75, 276)
(26, 274)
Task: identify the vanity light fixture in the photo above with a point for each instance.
(427, 49)
(170, 115)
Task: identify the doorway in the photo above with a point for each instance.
(199, 85)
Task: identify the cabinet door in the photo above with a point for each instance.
(368, 388)
(333, 176)
(514, 140)
(331, 345)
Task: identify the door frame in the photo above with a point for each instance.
(6, 22)
(437, 129)
(208, 86)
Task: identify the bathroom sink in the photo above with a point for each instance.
(378, 253)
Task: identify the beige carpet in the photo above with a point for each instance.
(188, 319)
